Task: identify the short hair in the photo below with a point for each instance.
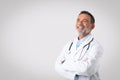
(88, 13)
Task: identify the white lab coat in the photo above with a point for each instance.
(85, 65)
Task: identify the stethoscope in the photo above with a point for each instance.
(88, 44)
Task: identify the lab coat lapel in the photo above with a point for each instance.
(74, 45)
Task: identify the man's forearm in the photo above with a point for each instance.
(65, 73)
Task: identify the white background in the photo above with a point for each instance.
(32, 34)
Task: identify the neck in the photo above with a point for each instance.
(82, 36)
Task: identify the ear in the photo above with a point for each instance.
(93, 26)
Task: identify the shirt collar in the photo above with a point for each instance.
(79, 42)
(84, 38)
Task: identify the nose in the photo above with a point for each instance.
(79, 22)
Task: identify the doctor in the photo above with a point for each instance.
(79, 59)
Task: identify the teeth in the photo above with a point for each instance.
(79, 26)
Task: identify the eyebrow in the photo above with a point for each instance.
(83, 19)
(86, 19)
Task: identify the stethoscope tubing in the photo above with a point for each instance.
(88, 44)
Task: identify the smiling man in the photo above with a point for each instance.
(79, 59)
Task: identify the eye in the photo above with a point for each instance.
(85, 20)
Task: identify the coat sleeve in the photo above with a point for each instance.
(59, 65)
(88, 65)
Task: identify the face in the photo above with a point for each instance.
(83, 24)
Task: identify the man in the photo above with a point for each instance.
(79, 59)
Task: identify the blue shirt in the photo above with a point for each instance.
(81, 40)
